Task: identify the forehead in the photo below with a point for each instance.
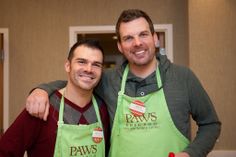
(88, 53)
(133, 27)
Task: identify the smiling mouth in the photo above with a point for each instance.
(87, 76)
(139, 53)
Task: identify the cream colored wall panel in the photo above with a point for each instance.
(212, 37)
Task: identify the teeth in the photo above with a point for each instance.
(86, 76)
(139, 52)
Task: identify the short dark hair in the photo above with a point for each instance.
(130, 15)
(91, 43)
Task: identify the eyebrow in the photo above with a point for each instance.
(83, 59)
(144, 31)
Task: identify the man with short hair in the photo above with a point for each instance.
(77, 121)
(149, 99)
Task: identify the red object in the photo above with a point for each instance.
(171, 154)
(137, 112)
(97, 138)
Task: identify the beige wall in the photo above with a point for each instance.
(39, 39)
(39, 35)
(212, 42)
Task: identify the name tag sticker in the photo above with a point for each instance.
(137, 108)
(97, 135)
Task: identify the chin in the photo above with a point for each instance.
(88, 88)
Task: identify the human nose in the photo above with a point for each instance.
(137, 41)
(88, 68)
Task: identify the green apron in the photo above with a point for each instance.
(150, 134)
(78, 140)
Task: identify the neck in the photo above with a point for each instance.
(143, 71)
(79, 97)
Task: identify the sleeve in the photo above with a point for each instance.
(20, 136)
(106, 126)
(205, 116)
(52, 86)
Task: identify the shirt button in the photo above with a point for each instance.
(142, 93)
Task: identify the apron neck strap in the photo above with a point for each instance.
(124, 78)
(96, 110)
(61, 110)
(158, 77)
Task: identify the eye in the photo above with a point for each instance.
(144, 34)
(81, 61)
(98, 65)
(127, 38)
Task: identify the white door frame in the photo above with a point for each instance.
(167, 28)
(5, 33)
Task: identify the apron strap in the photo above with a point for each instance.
(158, 76)
(124, 78)
(97, 111)
(61, 110)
